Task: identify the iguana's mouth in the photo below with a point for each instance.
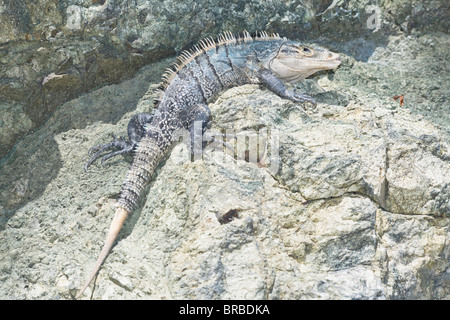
(330, 63)
(324, 64)
(335, 61)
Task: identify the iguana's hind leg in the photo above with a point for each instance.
(136, 129)
(120, 143)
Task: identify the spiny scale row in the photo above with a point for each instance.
(204, 45)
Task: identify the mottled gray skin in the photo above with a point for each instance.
(185, 101)
(201, 75)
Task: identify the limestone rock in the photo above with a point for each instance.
(338, 219)
(53, 51)
(347, 201)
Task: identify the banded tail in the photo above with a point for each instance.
(146, 159)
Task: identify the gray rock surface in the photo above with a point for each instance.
(348, 201)
(53, 51)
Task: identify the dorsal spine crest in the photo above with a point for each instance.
(206, 44)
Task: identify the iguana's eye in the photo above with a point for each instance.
(306, 51)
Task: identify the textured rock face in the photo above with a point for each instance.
(348, 201)
(52, 51)
(344, 216)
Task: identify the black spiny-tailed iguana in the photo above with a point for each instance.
(198, 77)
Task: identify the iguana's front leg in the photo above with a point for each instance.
(271, 82)
(196, 119)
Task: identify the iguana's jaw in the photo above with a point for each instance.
(295, 62)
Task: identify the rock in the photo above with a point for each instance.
(83, 45)
(346, 201)
(338, 219)
(37, 77)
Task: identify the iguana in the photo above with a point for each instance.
(195, 80)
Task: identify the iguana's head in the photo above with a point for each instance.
(294, 62)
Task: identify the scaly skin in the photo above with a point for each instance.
(200, 75)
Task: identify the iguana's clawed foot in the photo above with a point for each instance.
(121, 144)
(301, 97)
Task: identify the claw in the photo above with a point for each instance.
(299, 97)
(126, 149)
(121, 144)
(91, 160)
(95, 148)
(99, 149)
(86, 166)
